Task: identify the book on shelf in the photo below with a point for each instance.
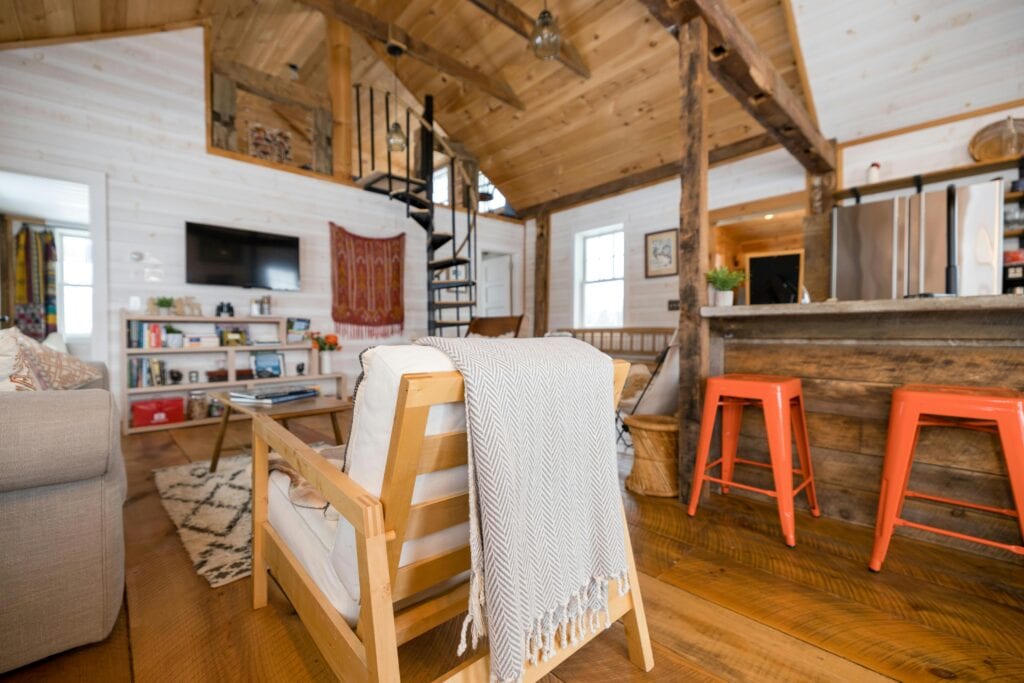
(146, 372)
(269, 397)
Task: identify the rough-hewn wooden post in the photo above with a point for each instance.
(541, 274)
(818, 234)
(693, 240)
(339, 84)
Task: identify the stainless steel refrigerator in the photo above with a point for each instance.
(894, 248)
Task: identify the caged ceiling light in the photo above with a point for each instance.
(396, 138)
(546, 39)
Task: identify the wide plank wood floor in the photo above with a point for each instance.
(726, 601)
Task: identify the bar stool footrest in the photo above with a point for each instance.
(1016, 549)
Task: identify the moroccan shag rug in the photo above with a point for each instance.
(213, 514)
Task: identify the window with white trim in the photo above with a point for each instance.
(600, 267)
(74, 282)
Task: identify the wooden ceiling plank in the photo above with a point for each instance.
(716, 156)
(103, 35)
(798, 55)
(379, 30)
(114, 15)
(271, 87)
(743, 69)
(519, 21)
(88, 18)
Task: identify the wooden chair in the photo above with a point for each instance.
(369, 651)
(496, 326)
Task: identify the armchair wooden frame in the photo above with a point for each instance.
(370, 651)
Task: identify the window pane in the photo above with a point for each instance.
(77, 313)
(619, 252)
(602, 304)
(600, 254)
(439, 191)
(76, 260)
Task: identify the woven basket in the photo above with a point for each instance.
(655, 444)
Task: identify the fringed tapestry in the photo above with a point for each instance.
(35, 282)
(367, 278)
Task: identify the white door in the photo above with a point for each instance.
(496, 285)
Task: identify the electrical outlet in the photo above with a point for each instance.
(673, 304)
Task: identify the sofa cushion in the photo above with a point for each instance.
(54, 369)
(372, 420)
(16, 370)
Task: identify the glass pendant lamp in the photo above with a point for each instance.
(396, 137)
(546, 39)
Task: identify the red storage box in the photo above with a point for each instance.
(158, 411)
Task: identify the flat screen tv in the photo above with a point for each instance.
(216, 255)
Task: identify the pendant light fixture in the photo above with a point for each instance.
(546, 39)
(396, 138)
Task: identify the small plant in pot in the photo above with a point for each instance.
(174, 338)
(723, 281)
(165, 304)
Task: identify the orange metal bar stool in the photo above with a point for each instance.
(1000, 411)
(782, 401)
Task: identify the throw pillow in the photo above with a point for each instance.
(56, 370)
(16, 370)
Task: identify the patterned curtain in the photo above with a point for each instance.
(35, 282)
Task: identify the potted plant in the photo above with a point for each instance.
(325, 344)
(174, 338)
(165, 303)
(722, 281)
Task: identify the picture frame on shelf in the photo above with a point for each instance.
(661, 253)
(267, 364)
(297, 330)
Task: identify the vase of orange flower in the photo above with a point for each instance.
(326, 345)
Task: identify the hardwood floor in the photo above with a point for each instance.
(725, 599)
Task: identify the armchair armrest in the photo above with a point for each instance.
(361, 508)
(55, 437)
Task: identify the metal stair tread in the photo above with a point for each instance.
(373, 177)
(450, 323)
(453, 304)
(447, 284)
(442, 264)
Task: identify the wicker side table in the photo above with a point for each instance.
(655, 446)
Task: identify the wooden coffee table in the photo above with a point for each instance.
(282, 412)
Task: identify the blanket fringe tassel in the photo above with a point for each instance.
(582, 615)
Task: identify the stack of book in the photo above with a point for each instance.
(145, 335)
(146, 372)
(272, 395)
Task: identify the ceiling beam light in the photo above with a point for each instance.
(546, 39)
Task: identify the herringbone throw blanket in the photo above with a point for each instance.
(546, 530)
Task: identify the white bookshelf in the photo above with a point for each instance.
(229, 354)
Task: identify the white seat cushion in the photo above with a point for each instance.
(310, 536)
(372, 420)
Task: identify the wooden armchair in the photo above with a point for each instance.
(399, 599)
(495, 326)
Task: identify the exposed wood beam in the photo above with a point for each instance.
(102, 35)
(719, 155)
(339, 84)
(541, 274)
(522, 23)
(694, 238)
(271, 87)
(748, 75)
(381, 31)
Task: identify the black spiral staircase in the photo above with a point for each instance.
(451, 249)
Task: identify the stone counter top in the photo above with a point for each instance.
(1006, 302)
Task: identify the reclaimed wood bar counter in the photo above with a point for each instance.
(850, 356)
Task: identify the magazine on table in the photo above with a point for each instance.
(272, 395)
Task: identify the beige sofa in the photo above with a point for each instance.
(62, 485)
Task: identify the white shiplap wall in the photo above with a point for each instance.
(920, 151)
(133, 108)
(651, 209)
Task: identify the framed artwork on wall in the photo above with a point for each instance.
(661, 253)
